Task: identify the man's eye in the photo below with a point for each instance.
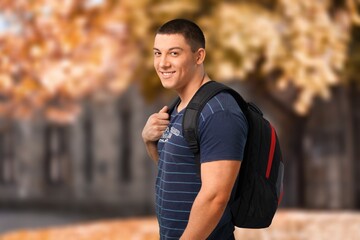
(174, 54)
(156, 54)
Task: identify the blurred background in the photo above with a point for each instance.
(77, 86)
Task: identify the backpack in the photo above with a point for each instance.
(259, 187)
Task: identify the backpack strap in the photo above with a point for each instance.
(195, 106)
(173, 105)
(192, 113)
(193, 110)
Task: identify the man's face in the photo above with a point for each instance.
(174, 61)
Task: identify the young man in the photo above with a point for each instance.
(189, 206)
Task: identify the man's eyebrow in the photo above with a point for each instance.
(176, 48)
(173, 48)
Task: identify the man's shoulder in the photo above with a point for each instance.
(221, 102)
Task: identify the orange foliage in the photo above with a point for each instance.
(71, 49)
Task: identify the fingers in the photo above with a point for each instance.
(162, 128)
(153, 132)
(156, 125)
(163, 114)
(162, 122)
(164, 109)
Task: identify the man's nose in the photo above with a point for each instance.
(164, 62)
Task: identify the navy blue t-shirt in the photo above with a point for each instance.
(222, 132)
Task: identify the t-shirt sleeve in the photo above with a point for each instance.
(223, 136)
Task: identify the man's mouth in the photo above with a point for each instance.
(167, 74)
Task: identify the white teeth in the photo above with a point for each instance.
(167, 73)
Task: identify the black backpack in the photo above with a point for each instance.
(259, 187)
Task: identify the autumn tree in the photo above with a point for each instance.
(288, 53)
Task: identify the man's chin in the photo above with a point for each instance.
(167, 85)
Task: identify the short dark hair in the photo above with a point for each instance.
(192, 33)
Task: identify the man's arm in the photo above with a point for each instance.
(151, 148)
(153, 129)
(218, 178)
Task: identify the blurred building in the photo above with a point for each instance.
(98, 163)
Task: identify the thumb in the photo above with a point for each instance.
(164, 109)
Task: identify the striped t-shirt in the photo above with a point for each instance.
(222, 133)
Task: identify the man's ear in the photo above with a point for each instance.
(200, 56)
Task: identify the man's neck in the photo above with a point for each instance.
(190, 90)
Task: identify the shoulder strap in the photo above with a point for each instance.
(173, 105)
(195, 106)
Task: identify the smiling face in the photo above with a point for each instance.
(174, 62)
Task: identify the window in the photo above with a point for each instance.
(56, 154)
(125, 140)
(7, 158)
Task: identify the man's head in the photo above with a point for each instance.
(179, 54)
(189, 30)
